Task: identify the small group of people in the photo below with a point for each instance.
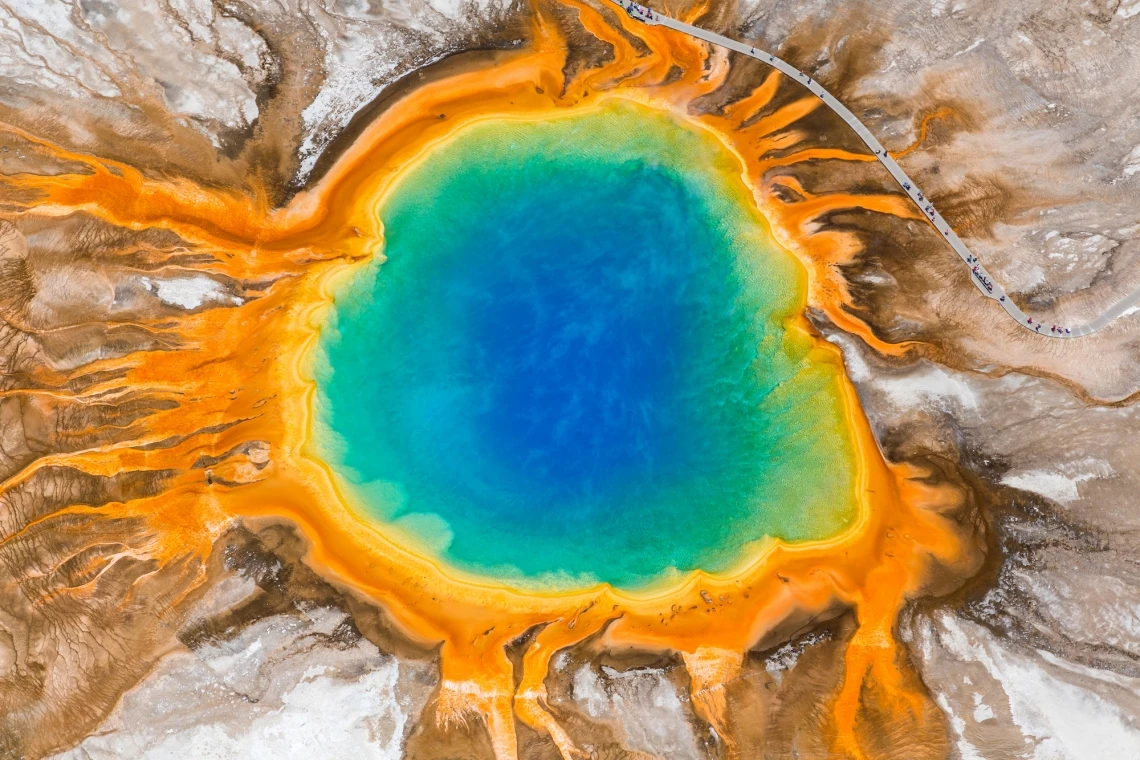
(1056, 329)
(639, 12)
(982, 279)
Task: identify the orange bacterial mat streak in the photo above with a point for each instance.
(236, 443)
(940, 113)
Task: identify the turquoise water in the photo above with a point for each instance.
(572, 366)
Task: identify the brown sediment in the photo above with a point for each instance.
(245, 364)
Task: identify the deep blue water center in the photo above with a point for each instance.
(573, 365)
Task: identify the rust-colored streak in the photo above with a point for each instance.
(943, 112)
(782, 118)
(744, 109)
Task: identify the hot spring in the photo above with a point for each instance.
(580, 359)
